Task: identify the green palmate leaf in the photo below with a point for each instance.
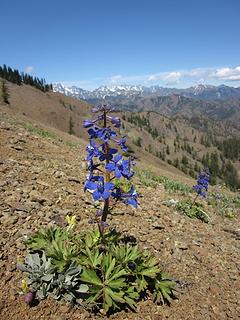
(117, 274)
(115, 284)
(42, 239)
(90, 276)
(107, 300)
(163, 290)
(110, 268)
(115, 295)
(93, 257)
(125, 253)
(100, 271)
(141, 283)
(94, 295)
(92, 238)
(130, 302)
(150, 272)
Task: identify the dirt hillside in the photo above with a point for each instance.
(41, 181)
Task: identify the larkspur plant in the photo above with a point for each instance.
(193, 209)
(201, 187)
(106, 163)
(98, 269)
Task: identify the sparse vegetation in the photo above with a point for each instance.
(148, 178)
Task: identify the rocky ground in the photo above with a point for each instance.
(41, 182)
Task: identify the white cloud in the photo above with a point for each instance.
(172, 77)
(228, 74)
(29, 69)
(180, 78)
(115, 78)
(152, 77)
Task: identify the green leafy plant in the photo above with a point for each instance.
(41, 239)
(163, 289)
(57, 243)
(195, 210)
(105, 271)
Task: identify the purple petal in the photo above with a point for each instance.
(96, 195)
(109, 185)
(117, 173)
(105, 194)
(117, 157)
(90, 185)
(132, 202)
(112, 151)
(87, 123)
(110, 166)
(29, 297)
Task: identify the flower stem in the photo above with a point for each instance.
(107, 173)
(194, 200)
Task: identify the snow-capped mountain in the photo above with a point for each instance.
(115, 91)
(101, 92)
(204, 92)
(72, 91)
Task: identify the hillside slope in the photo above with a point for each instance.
(54, 110)
(41, 181)
(179, 144)
(50, 108)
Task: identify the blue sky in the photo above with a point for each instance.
(174, 43)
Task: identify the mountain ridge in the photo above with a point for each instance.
(200, 91)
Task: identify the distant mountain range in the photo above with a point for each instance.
(216, 103)
(203, 92)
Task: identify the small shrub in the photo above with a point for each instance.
(193, 211)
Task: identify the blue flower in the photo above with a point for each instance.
(87, 123)
(120, 167)
(132, 197)
(90, 123)
(101, 190)
(104, 155)
(115, 121)
(92, 150)
(104, 134)
(122, 144)
(202, 183)
(117, 194)
(92, 166)
(128, 198)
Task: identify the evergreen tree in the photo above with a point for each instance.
(167, 150)
(4, 92)
(71, 126)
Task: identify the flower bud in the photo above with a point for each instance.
(29, 297)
